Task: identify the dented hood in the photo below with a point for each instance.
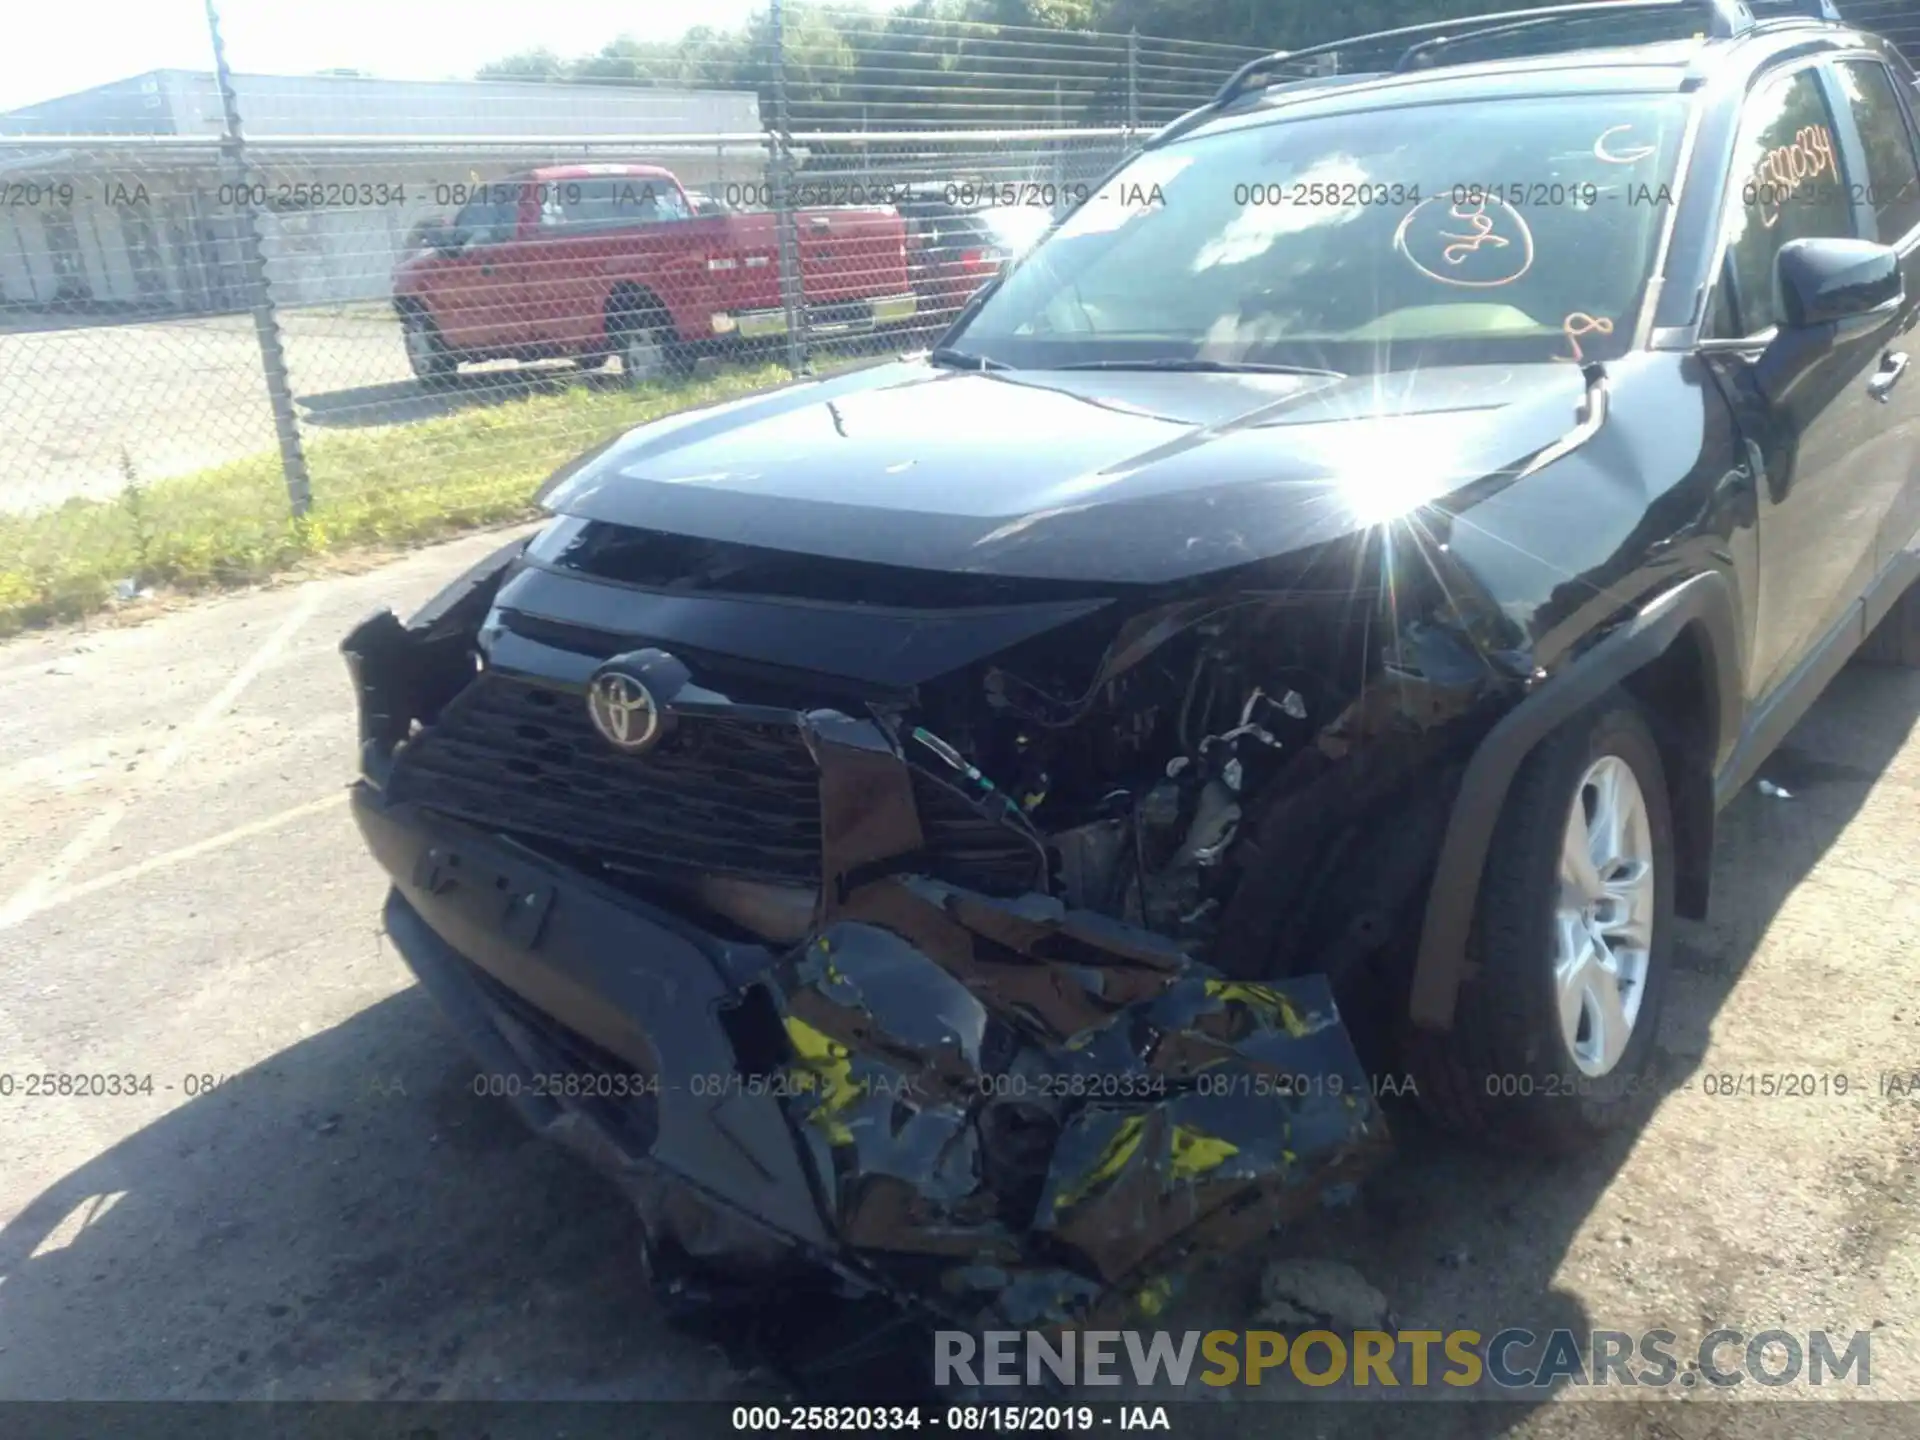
(1107, 476)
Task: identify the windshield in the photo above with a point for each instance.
(1483, 232)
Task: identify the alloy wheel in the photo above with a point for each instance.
(420, 348)
(1603, 915)
(641, 355)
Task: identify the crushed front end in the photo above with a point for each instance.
(878, 951)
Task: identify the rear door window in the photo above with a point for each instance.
(1892, 182)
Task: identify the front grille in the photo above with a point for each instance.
(966, 847)
(719, 795)
(716, 796)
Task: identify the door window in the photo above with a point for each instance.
(491, 217)
(1788, 186)
(1892, 183)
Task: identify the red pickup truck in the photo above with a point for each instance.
(593, 261)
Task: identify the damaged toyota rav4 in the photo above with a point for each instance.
(980, 826)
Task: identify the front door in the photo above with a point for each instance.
(474, 292)
(1824, 488)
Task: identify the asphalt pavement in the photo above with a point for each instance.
(297, 1193)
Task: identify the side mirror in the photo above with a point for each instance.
(1826, 280)
(447, 239)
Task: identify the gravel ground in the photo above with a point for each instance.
(312, 1203)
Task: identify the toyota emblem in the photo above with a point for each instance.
(623, 710)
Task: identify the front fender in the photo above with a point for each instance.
(1706, 603)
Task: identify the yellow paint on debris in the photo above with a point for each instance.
(1120, 1149)
(1194, 1153)
(1262, 998)
(1152, 1298)
(831, 1065)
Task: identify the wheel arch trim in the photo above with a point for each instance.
(1703, 603)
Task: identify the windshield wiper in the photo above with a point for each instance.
(1204, 367)
(961, 360)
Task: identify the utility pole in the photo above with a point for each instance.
(1133, 83)
(791, 300)
(266, 325)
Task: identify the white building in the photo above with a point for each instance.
(119, 197)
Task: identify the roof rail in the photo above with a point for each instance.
(1808, 9)
(1417, 53)
(1725, 18)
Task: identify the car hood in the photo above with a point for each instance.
(1106, 476)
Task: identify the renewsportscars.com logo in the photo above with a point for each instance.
(1511, 1359)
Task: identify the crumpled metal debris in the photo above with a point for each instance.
(1010, 1112)
(1041, 1116)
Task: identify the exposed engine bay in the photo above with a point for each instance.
(1144, 775)
(1046, 1034)
(1141, 784)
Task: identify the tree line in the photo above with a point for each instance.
(949, 63)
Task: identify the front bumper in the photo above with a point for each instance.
(1185, 1122)
(530, 961)
(851, 317)
(996, 1112)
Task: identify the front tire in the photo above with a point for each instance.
(427, 353)
(1554, 1031)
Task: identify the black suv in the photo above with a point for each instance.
(918, 825)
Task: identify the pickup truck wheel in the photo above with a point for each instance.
(427, 352)
(650, 350)
(1896, 639)
(1553, 1038)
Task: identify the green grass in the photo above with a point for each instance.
(396, 485)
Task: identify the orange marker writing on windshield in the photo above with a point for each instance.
(1580, 323)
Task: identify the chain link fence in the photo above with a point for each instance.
(247, 316)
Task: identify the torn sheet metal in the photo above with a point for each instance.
(1046, 1117)
(1006, 1111)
